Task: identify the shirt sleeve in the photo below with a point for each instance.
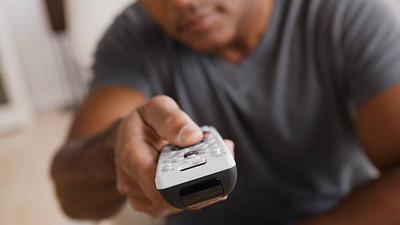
(119, 58)
(371, 48)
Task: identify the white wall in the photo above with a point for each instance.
(38, 48)
(38, 51)
(87, 21)
(16, 112)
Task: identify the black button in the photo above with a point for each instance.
(188, 154)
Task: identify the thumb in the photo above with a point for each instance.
(163, 114)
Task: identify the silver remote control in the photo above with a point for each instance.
(196, 174)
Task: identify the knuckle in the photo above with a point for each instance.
(122, 187)
(123, 164)
(158, 214)
(127, 160)
(119, 156)
(154, 198)
(154, 215)
(141, 169)
(154, 105)
(123, 151)
(164, 101)
(127, 126)
(138, 206)
(177, 120)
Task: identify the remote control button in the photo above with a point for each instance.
(201, 152)
(168, 167)
(170, 160)
(206, 134)
(218, 152)
(168, 154)
(204, 146)
(179, 155)
(214, 145)
(191, 154)
(199, 160)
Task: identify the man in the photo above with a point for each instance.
(308, 90)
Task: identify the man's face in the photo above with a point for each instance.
(204, 25)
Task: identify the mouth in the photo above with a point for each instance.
(199, 23)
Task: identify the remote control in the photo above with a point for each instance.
(196, 174)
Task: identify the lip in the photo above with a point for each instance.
(199, 23)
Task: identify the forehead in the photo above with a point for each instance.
(159, 3)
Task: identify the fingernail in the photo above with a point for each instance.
(189, 133)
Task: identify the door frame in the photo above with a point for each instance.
(17, 112)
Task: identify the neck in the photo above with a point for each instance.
(249, 33)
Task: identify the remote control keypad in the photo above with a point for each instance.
(186, 158)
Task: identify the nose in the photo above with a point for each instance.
(181, 4)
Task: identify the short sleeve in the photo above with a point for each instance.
(119, 58)
(371, 48)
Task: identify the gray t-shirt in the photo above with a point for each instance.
(288, 106)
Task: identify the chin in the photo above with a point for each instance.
(209, 43)
(207, 47)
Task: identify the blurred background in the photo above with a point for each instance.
(46, 49)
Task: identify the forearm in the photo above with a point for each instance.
(375, 203)
(83, 172)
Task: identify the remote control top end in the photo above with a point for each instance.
(196, 174)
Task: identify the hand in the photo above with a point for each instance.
(141, 136)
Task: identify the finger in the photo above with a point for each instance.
(163, 212)
(137, 198)
(123, 186)
(231, 146)
(136, 157)
(158, 211)
(207, 203)
(141, 204)
(128, 187)
(144, 176)
(170, 122)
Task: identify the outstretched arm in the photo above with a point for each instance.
(83, 170)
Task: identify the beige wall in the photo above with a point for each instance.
(87, 21)
(37, 50)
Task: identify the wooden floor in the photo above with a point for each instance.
(26, 192)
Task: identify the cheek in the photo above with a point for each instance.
(164, 19)
(156, 10)
(230, 15)
(231, 7)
